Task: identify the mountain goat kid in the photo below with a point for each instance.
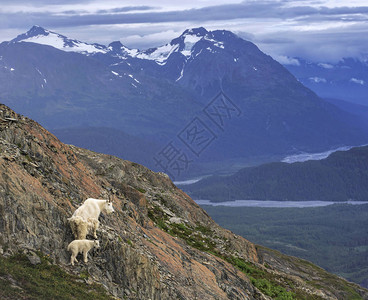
(85, 218)
(81, 246)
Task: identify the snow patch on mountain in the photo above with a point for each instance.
(159, 55)
(162, 53)
(189, 42)
(183, 45)
(136, 80)
(216, 43)
(181, 73)
(9, 68)
(42, 36)
(56, 41)
(130, 52)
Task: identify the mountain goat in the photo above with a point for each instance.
(81, 246)
(85, 218)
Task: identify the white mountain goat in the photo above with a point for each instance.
(85, 218)
(81, 246)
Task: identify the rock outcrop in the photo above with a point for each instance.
(159, 244)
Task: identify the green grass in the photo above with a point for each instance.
(43, 281)
(202, 238)
(156, 214)
(140, 190)
(266, 282)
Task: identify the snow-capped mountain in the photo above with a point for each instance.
(345, 80)
(183, 45)
(42, 36)
(198, 58)
(171, 60)
(155, 93)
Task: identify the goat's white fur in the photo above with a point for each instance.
(81, 246)
(85, 218)
(81, 227)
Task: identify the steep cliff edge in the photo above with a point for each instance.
(159, 244)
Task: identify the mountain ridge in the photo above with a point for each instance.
(156, 101)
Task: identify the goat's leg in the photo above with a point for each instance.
(82, 231)
(73, 258)
(85, 252)
(96, 223)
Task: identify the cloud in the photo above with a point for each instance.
(285, 60)
(157, 38)
(314, 29)
(125, 9)
(244, 10)
(44, 2)
(358, 81)
(328, 45)
(258, 10)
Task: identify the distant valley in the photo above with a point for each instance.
(342, 176)
(334, 237)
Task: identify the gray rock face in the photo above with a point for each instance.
(33, 258)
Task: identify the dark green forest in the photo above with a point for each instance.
(334, 237)
(340, 177)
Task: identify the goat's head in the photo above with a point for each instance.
(108, 206)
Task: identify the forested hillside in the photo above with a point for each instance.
(340, 177)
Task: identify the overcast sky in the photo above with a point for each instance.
(319, 30)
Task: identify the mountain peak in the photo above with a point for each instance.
(39, 35)
(200, 31)
(116, 45)
(189, 44)
(37, 30)
(224, 34)
(191, 35)
(33, 32)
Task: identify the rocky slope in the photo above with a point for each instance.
(158, 245)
